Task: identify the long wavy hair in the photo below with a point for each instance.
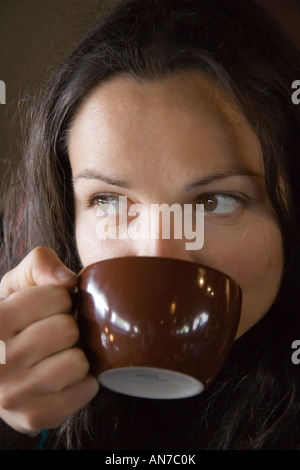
(254, 403)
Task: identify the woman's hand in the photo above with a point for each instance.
(45, 378)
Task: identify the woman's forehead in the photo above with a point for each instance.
(181, 112)
(189, 88)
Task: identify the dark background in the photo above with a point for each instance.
(36, 33)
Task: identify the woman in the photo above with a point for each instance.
(167, 101)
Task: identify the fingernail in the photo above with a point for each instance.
(64, 274)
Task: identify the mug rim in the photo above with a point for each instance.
(159, 258)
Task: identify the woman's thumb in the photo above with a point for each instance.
(40, 267)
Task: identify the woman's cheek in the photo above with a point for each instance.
(251, 253)
(92, 247)
(256, 264)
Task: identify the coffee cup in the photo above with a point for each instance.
(155, 327)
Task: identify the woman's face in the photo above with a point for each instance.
(178, 140)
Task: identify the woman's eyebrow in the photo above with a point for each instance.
(218, 176)
(92, 175)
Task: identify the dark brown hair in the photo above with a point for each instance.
(254, 404)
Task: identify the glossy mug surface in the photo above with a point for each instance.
(156, 327)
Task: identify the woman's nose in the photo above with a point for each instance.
(170, 236)
(168, 248)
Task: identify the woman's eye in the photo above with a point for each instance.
(106, 205)
(220, 203)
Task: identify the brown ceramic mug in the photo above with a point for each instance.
(156, 327)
